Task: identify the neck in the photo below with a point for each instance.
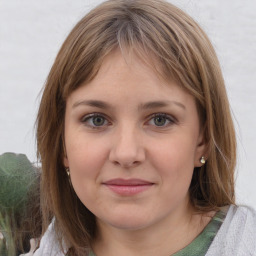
(163, 238)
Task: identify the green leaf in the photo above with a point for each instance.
(17, 175)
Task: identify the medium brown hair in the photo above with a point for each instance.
(184, 53)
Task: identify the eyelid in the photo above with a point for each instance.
(171, 118)
(86, 117)
(94, 114)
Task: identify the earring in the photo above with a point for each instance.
(68, 174)
(202, 160)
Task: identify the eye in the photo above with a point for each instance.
(95, 120)
(161, 120)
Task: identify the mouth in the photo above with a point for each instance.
(128, 187)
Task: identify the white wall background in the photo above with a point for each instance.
(31, 32)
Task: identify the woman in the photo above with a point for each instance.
(137, 142)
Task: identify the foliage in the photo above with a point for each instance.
(19, 193)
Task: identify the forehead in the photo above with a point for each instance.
(128, 76)
(136, 60)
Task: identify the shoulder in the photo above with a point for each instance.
(237, 235)
(241, 215)
(241, 219)
(49, 244)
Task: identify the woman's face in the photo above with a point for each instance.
(132, 142)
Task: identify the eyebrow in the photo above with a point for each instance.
(92, 103)
(143, 106)
(160, 104)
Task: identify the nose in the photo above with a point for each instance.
(127, 149)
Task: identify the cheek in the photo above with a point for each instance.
(174, 161)
(86, 163)
(86, 159)
(177, 152)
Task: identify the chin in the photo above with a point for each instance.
(128, 221)
(129, 225)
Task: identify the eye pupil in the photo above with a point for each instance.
(159, 120)
(98, 121)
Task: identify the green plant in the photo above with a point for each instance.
(19, 202)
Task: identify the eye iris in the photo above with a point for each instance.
(98, 121)
(159, 120)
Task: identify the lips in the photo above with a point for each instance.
(128, 187)
(129, 182)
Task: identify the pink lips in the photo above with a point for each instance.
(128, 187)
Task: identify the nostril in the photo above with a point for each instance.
(116, 163)
(130, 164)
(126, 164)
(127, 154)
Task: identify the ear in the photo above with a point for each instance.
(65, 161)
(65, 158)
(201, 149)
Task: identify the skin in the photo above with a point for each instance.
(130, 138)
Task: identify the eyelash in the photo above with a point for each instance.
(85, 120)
(167, 117)
(89, 118)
